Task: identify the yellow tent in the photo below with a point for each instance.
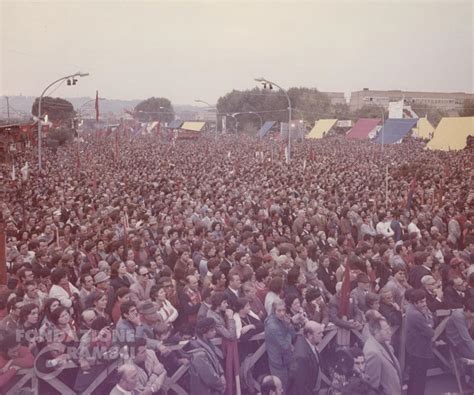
(194, 126)
(451, 133)
(423, 129)
(321, 128)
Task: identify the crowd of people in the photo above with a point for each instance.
(145, 251)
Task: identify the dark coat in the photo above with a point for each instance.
(452, 298)
(328, 277)
(205, 369)
(434, 303)
(391, 314)
(231, 297)
(419, 333)
(119, 282)
(353, 312)
(305, 369)
(416, 274)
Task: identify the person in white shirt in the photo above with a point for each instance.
(413, 228)
(383, 226)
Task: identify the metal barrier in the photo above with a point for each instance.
(333, 333)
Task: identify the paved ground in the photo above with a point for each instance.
(441, 385)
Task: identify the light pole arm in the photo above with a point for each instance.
(289, 111)
(39, 109)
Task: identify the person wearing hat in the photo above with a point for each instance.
(359, 293)
(102, 283)
(149, 317)
(207, 374)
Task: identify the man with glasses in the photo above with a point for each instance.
(33, 295)
(434, 293)
(382, 367)
(305, 371)
(143, 285)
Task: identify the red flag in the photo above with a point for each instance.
(232, 365)
(97, 106)
(345, 290)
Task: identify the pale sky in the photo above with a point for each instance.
(202, 49)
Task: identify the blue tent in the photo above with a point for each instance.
(176, 124)
(394, 130)
(265, 128)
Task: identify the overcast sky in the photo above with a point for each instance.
(202, 50)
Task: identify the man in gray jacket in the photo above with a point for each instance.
(382, 367)
(207, 375)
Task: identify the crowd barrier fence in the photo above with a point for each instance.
(29, 379)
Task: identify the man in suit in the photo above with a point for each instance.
(457, 330)
(327, 275)
(305, 368)
(422, 267)
(419, 335)
(382, 367)
(454, 293)
(232, 292)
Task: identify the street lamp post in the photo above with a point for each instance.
(264, 82)
(39, 110)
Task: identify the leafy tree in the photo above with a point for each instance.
(433, 114)
(154, 109)
(307, 103)
(467, 108)
(369, 111)
(341, 111)
(57, 109)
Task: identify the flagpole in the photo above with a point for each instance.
(386, 187)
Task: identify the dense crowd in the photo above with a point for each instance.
(146, 251)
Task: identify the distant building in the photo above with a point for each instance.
(336, 97)
(440, 100)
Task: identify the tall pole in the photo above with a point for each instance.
(8, 108)
(40, 167)
(265, 81)
(210, 106)
(383, 128)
